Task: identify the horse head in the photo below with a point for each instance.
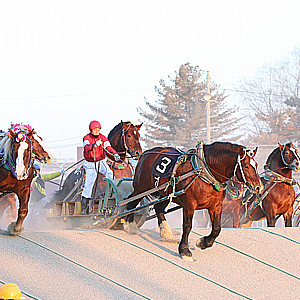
(290, 156)
(246, 170)
(131, 139)
(21, 154)
(40, 151)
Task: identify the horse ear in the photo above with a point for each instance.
(30, 134)
(138, 127)
(255, 151)
(11, 134)
(280, 146)
(125, 125)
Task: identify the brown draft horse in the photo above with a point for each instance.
(221, 160)
(125, 139)
(231, 207)
(278, 195)
(39, 153)
(16, 172)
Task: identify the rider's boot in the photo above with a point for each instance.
(84, 203)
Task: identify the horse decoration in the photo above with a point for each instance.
(278, 196)
(231, 207)
(18, 148)
(197, 181)
(124, 138)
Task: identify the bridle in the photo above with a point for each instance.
(290, 166)
(239, 164)
(21, 136)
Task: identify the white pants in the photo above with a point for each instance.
(91, 169)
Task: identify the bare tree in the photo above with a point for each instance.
(271, 101)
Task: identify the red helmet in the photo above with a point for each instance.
(94, 124)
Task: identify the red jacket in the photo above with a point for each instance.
(92, 153)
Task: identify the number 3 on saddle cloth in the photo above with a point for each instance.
(164, 166)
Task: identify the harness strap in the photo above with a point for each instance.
(271, 175)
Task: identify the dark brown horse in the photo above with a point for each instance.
(200, 176)
(231, 207)
(278, 195)
(125, 139)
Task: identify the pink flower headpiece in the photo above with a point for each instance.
(17, 127)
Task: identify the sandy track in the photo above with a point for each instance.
(47, 276)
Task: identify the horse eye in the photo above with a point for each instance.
(129, 135)
(246, 167)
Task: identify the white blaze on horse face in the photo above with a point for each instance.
(20, 167)
(297, 158)
(253, 163)
(36, 137)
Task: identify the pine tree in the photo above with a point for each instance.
(178, 118)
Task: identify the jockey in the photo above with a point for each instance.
(38, 183)
(96, 145)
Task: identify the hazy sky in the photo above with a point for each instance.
(65, 63)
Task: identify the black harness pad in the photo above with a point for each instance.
(164, 165)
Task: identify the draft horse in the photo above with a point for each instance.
(125, 139)
(278, 195)
(39, 153)
(210, 166)
(16, 172)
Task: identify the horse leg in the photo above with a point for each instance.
(4, 204)
(165, 230)
(15, 228)
(130, 226)
(236, 216)
(183, 248)
(207, 241)
(271, 216)
(288, 217)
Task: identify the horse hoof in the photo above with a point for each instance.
(186, 258)
(130, 228)
(165, 231)
(200, 243)
(12, 229)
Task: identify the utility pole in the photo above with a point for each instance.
(207, 98)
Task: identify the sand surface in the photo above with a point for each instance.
(110, 264)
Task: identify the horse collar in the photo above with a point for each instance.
(198, 162)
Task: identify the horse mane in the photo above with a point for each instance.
(271, 156)
(116, 129)
(6, 144)
(224, 148)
